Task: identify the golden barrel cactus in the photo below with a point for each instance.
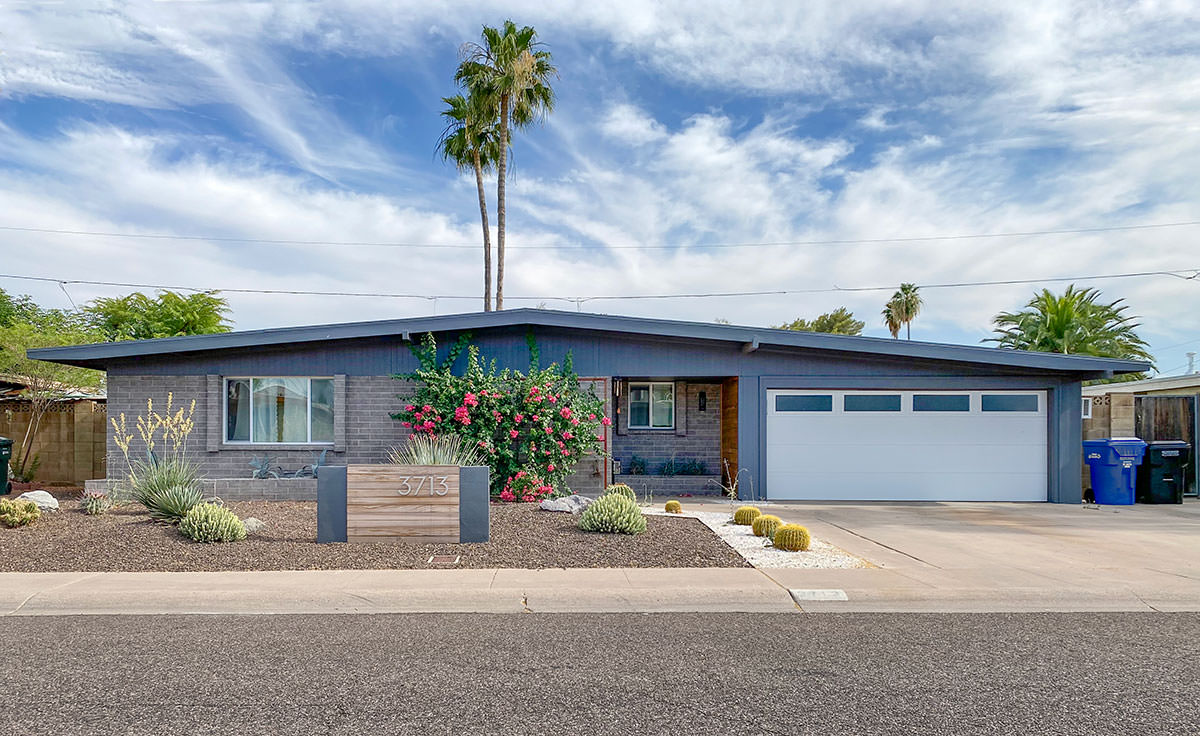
(620, 489)
(745, 515)
(792, 538)
(764, 525)
(674, 507)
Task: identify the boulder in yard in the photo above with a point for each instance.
(570, 504)
(44, 500)
(253, 525)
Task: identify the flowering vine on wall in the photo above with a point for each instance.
(533, 426)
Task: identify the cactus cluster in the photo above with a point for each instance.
(745, 515)
(792, 538)
(613, 513)
(212, 522)
(620, 489)
(764, 525)
(95, 502)
(18, 512)
(673, 507)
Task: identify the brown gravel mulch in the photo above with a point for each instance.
(522, 536)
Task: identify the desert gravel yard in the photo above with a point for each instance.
(126, 540)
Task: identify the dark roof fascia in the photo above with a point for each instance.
(98, 355)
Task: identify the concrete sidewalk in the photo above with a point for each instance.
(394, 591)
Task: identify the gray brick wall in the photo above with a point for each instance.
(363, 417)
(702, 431)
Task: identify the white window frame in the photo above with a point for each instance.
(650, 411)
(1087, 407)
(225, 413)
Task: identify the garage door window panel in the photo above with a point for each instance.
(1009, 402)
(942, 402)
(813, 402)
(871, 402)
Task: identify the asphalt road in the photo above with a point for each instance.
(603, 674)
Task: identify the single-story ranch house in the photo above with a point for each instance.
(801, 415)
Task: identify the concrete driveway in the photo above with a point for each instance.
(1004, 556)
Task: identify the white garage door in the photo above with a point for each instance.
(906, 445)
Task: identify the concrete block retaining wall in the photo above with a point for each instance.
(245, 489)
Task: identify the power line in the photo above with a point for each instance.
(1187, 274)
(457, 246)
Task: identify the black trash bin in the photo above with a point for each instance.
(1162, 476)
(5, 455)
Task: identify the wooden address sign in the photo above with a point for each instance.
(418, 504)
(402, 503)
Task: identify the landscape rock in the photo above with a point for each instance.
(253, 525)
(44, 500)
(570, 504)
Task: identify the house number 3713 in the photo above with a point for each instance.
(431, 485)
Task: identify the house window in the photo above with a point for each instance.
(279, 411)
(651, 406)
(1087, 407)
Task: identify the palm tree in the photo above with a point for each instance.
(1076, 322)
(469, 140)
(902, 309)
(512, 71)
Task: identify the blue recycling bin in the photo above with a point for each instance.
(1113, 464)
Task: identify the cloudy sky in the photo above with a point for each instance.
(679, 126)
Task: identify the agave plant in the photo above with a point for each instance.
(422, 449)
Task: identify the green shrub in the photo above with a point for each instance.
(212, 522)
(745, 515)
(764, 525)
(171, 504)
(792, 538)
(95, 502)
(673, 507)
(620, 489)
(613, 513)
(637, 465)
(18, 513)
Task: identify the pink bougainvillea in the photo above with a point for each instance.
(504, 413)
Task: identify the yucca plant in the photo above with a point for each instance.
(171, 504)
(447, 449)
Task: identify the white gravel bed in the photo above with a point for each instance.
(820, 554)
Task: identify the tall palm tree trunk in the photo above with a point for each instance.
(487, 236)
(502, 171)
(908, 330)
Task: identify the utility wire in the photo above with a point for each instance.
(1186, 274)
(436, 246)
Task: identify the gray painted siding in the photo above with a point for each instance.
(624, 355)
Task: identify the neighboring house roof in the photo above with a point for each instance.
(1187, 382)
(752, 338)
(11, 388)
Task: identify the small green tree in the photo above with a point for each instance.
(838, 322)
(168, 314)
(44, 383)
